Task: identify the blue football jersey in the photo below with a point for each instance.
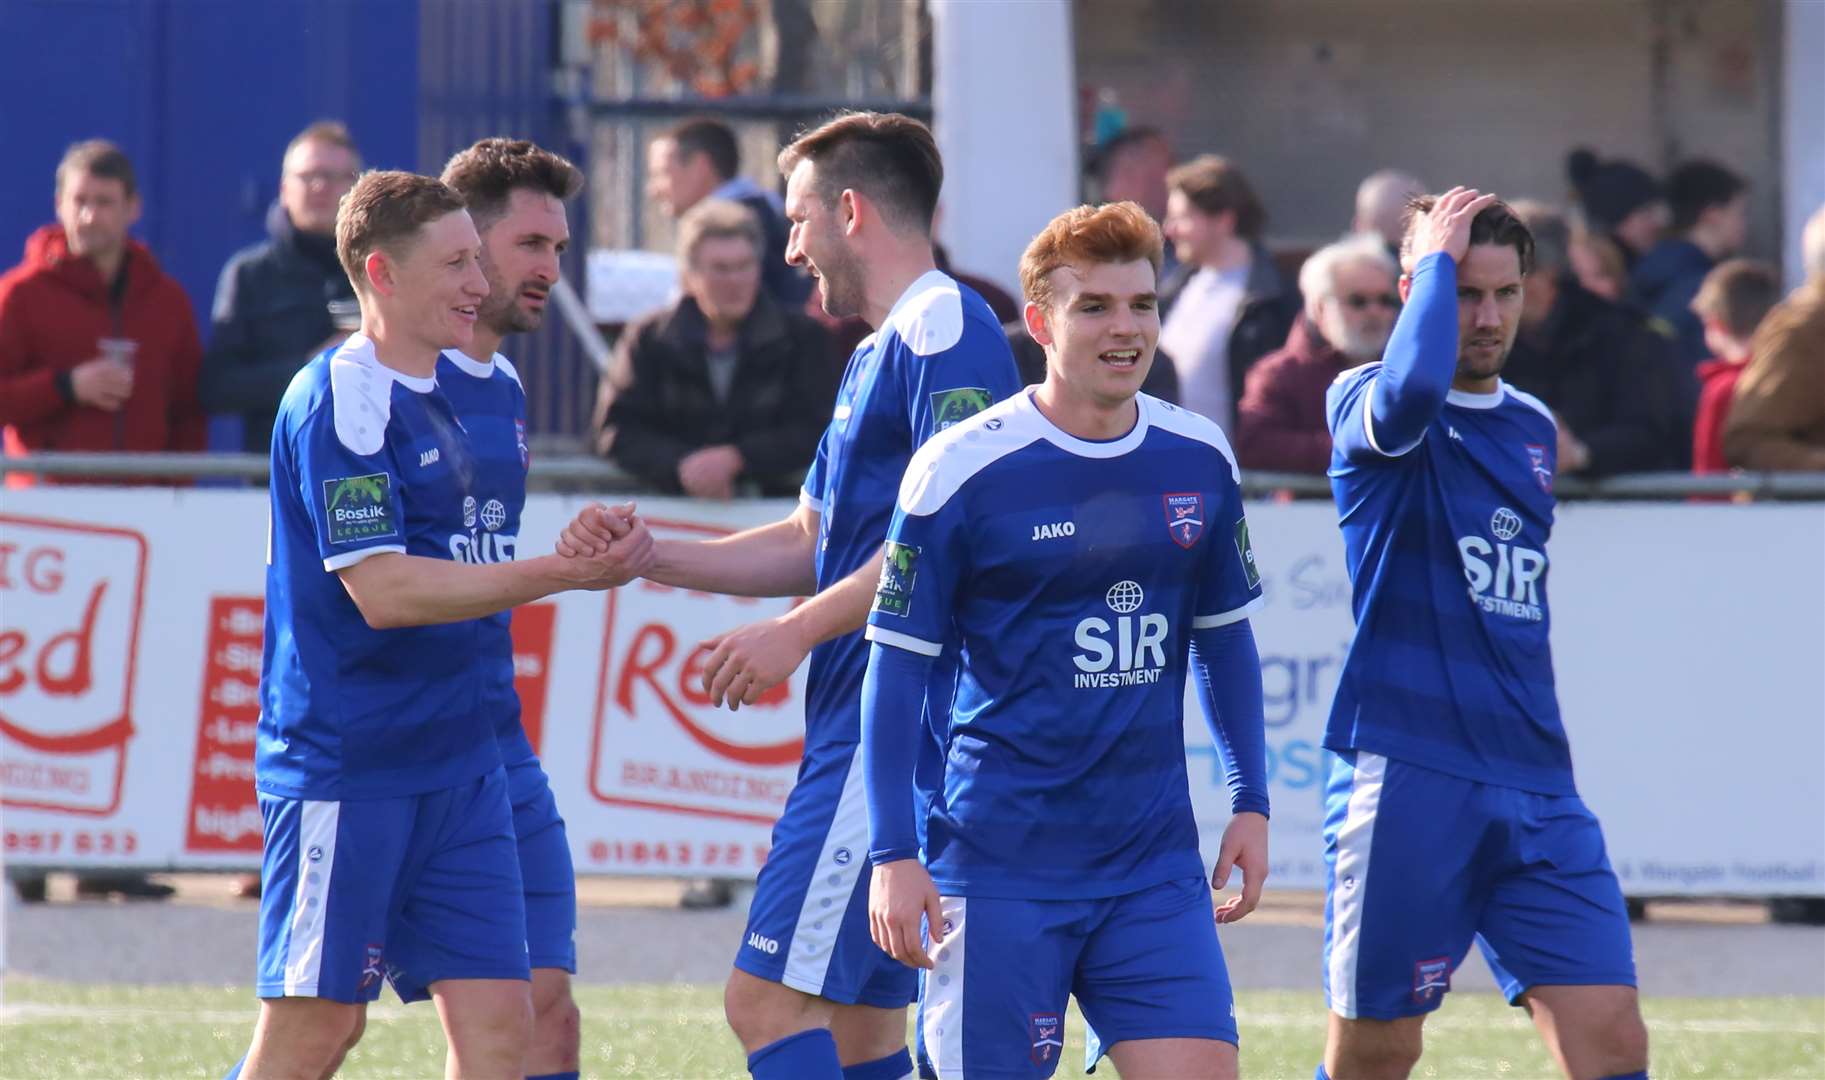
(939, 358)
(1071, 574)
(365, 460)
(1445, 542)
(491, 404)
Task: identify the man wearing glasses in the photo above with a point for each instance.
(1350, 305)
(286, 299)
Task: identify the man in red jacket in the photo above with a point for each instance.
(1350, 305)
(98, 348)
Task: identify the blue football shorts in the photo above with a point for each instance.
(1421, 863)
(1145, 965)
(808, 924)
(417, 889)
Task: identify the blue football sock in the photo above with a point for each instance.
(1321, 1074)
(1642, 1075)
(571, 1075)
(894, 1066)
(808, 1055)
(235, 1073)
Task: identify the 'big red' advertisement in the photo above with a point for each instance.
(132, 622)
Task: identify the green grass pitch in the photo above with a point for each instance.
(68, 1031)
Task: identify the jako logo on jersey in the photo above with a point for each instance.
(429, 457)
(1138, 656)
(1046, 1031)
(519, 439)
(1511, 586)
(764, 944)
(1185, 518)
(1055, 530)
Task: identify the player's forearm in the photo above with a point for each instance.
(773, 560)
(1226, 668)
(1421, 357)
(840, 609)
(396, 590)
(893, 690)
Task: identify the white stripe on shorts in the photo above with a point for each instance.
(1352, 884)
(833, 879)
(310, 904)
(941, 1009)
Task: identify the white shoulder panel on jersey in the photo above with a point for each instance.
(931, 320)
(948, 459)
(512, 372)
(1191, 425)
(361, 393)
(1350, 372)
(1535, 403)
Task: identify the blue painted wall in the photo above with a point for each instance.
(204, 94)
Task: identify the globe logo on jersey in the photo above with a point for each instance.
(1506, 524)
(1124, 597)
(494, 515)
(1131, 652)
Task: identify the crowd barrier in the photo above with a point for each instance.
(1689, 642)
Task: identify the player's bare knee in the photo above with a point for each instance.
(1618, 1046)
(1373, 1050)
(760, 1012)
(556, 1021)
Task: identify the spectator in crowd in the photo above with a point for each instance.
(285, 299)
(725, 388)
(1736, 295)
(98, 349)
(1710, 207)
(1619, 200)
(1350, 305)
(1131, 166)
(1609, 380)
(700, 159)
(1777, 420)
(1227, 306)
(1598, 263)
(1381, 208)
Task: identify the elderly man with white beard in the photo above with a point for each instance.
(1350, 305)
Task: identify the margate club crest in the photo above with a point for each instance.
(1543, 474)
(1185, 518)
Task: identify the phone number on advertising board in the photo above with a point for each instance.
(681, 853)
(72, 841)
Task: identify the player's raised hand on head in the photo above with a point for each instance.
(899, 895)
(1244, 848)
(1446, 227)
(750, 660)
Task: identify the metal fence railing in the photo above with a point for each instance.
(583, 473)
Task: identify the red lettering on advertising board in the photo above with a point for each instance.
(533, 628)
(224, 813)
(71, 596)
(658, 742)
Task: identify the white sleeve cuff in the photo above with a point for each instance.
(350, 558)
(1207, 622)
(814, 503)
(903, 641)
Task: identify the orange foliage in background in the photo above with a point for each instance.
(695, 41)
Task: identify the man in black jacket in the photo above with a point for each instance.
(700, 159)
(725, 389)
(1610, 380)
(278, 302)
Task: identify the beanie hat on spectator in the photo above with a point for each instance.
(1609, 190)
